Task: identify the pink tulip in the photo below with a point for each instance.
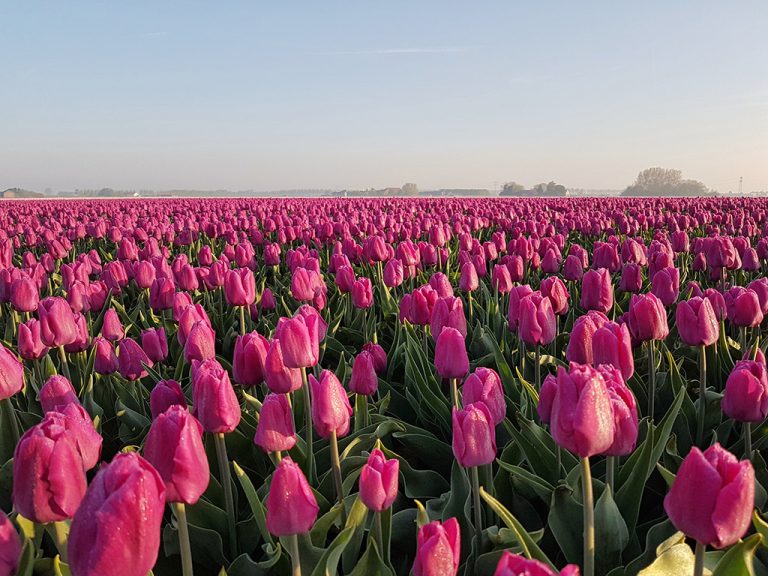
(438, 549)
(291, 505)
(378, 481)
(331, 410)
(275, 431)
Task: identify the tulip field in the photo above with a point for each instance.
(419, 386)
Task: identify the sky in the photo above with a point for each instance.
(268, 95)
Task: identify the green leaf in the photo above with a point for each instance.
(611, 534)
(565, 520)
(738, 560)
(259, 512)
(370, 563)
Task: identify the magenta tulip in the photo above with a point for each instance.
(451, 358)
(696, 322)
(291, 505)
(214, 399)
(378, 481)
(331, 410)
(474, 435)
(438, 549)
(275, 430)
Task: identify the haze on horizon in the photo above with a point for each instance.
(269, 96)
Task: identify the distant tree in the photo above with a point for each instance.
(410, 189)
(549, 189)
(512, 189)
(664, 182)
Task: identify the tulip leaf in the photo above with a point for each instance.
(530, 547)
(761, 526)
(540, 486)
(738, 560)
(9, 430)
(27, 559)
(611, 534)
(565, 520)
(257, 508)
(668, 475)
(244, 566)
(371, 563)
(328, 563)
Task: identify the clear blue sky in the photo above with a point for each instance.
(270, 95)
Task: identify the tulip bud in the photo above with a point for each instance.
(746, 392)
(24, 294)
(279, 378)
(537, 320)
(291, 505)
(468, 281)
(500, 279)
(362, 293)
(696, 322)
(514, 565)
(57, 323)
(48, 460)
(267, 301)
(647, 318)
(155, 344)
(240, 287)
(438, 549)
(131, 360)
(249, 358)
(580, 343)
(126, 497)
(625, 419)
(554, 289)
(364, 380)
(379, 357)
(516, 296)
(612, 345)
(546, 398)
(330, 405)
(743, 307)
(56, 393)
(448, 312)
(299, 341)
(474, 435)
(275, 431)
(451, 358)
(214, 399)
(174, 446)
(200, 343)
(666, 285)
(105, 360)
(718, 302)
(11, 373)
(165, 394)
(712, 497)
(378, 481)
(484, 385)
(345, 279)
(10, 547)
(581, 417)
(30, 343)
(393, 273)
(631, 278)
(597, 290)
(111, 328)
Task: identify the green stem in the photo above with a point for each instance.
(652, 380)
(702, 395)
(589, 518)
(476, 505)
(537, 368)
(743, 340)
(59, 532)
(180, 512)
(226, 483)
(293, 546)
(336, 467)
(361, 412)
(747, 440)
(378, 533)
(64, 363)
(455, 393)
(610, 472)
(242, 320)
(308, 427)
(698, 566)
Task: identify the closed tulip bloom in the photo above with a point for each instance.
(10, 547)
(484, 385)
(362, 293)
(514, 565)
(364, 380)
(448, 312)
(126, 497)
(105, 360)
(275, 431)
(746, 392)
(625, 418)
(468, 281)
(48, 460)
(11, 373)
(696, 322)
(279, 378)
(155, 344)
(378, 481)
(112, 329)
(330, 405)
(174, 446)
(249, 358)
(438, 549)
(144, 274)
(580, 343)
(516, 295)
(750, 261)
(267, 301)
(299, 341)
(131, 360)
(30, 343)
(57, 323)
(201, 342)
(165, 394)
(451, 358)
(647, 318)
(214, 399)
(394, 273)
(573, 269)
(515, 265)
(712, 497)
(24, 295)
(612, 345)
(474, 435)
(161, 294)
(760, 287)
(500, 279)
(81, 431)
(291, 505)
(554, 289)
(57, 392)
(546, 398)
(582, 415)
(717, 300)
(379, 356)
(83, 337)
(631, 278)
(303, 284)
(190, 316)
(537, 320)
(597, 290)
(345, 279)
(240, 287)
(666, 285)
(743, 307)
